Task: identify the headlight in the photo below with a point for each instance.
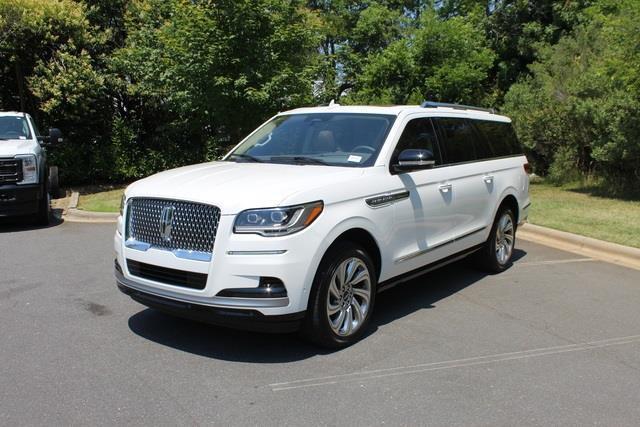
(277, 221)
(29, 169)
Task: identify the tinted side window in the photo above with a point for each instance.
(500, 136)
(457, 138)
(418, 133)
(481, 144)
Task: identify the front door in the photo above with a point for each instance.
(424, 221)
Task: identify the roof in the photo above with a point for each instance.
(397, 110)
(11, 113)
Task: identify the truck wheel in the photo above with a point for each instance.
(43, 217)
(495, 256)
(54, 182)
(342, 297)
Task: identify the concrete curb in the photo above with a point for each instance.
(73, 200)
(73, 214)
(594, 248)
(78, 215)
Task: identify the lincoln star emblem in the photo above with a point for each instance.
(166, 222)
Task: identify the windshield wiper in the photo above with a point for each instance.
(299, 160)
(247, 157)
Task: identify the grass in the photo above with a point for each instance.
(583, 210)
(101, 201)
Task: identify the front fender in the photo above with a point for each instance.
(340, 227)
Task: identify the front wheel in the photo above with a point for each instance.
(342, 297)
(54, 182)
(495, 256)
(43, 217)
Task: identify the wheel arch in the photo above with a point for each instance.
(363, 238)
(510, 201)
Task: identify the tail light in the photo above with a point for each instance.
(527, 168)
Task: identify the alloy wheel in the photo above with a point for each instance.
(505, 238)
(349, 296)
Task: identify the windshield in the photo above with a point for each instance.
(335, 139)
(14, 127)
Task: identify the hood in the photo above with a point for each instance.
(12, 147)
(234, 187)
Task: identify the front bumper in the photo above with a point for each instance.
(239, 263)
(19, 200)
(246, 319)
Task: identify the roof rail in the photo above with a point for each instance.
(431, 104)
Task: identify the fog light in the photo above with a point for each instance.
(270, 287)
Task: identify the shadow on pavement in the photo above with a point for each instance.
(13, 224)
(424, 291)
(240, 346)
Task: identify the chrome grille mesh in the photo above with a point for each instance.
(194, 224)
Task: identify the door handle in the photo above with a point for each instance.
(445, 188)
(488, 179)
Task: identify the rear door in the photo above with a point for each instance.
(503, 144)
(470, 180)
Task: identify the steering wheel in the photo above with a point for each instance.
(12, 133)
(365, 147)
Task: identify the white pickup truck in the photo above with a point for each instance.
(25, 179)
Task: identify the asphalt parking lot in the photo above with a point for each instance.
(555, 340)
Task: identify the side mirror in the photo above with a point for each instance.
(55, 136)
(414, 159)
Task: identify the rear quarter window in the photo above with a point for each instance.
(500, 136)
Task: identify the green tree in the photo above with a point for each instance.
(580, 109)
(50, 56)
(31, 33)
(436, 59)
(516, 28)
(201, 75)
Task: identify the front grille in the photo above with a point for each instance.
(10, 170)
(193, 227)
(168, 276)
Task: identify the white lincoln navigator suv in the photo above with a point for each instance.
(318, 210)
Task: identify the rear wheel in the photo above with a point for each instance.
(342, 297)
(496, 254)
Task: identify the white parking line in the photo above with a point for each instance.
(451, 364)
(551, 262)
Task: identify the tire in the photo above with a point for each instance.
(43, 217)
(495, 256)
(338, 315)
(54, 182)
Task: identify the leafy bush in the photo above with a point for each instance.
(579, 111)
